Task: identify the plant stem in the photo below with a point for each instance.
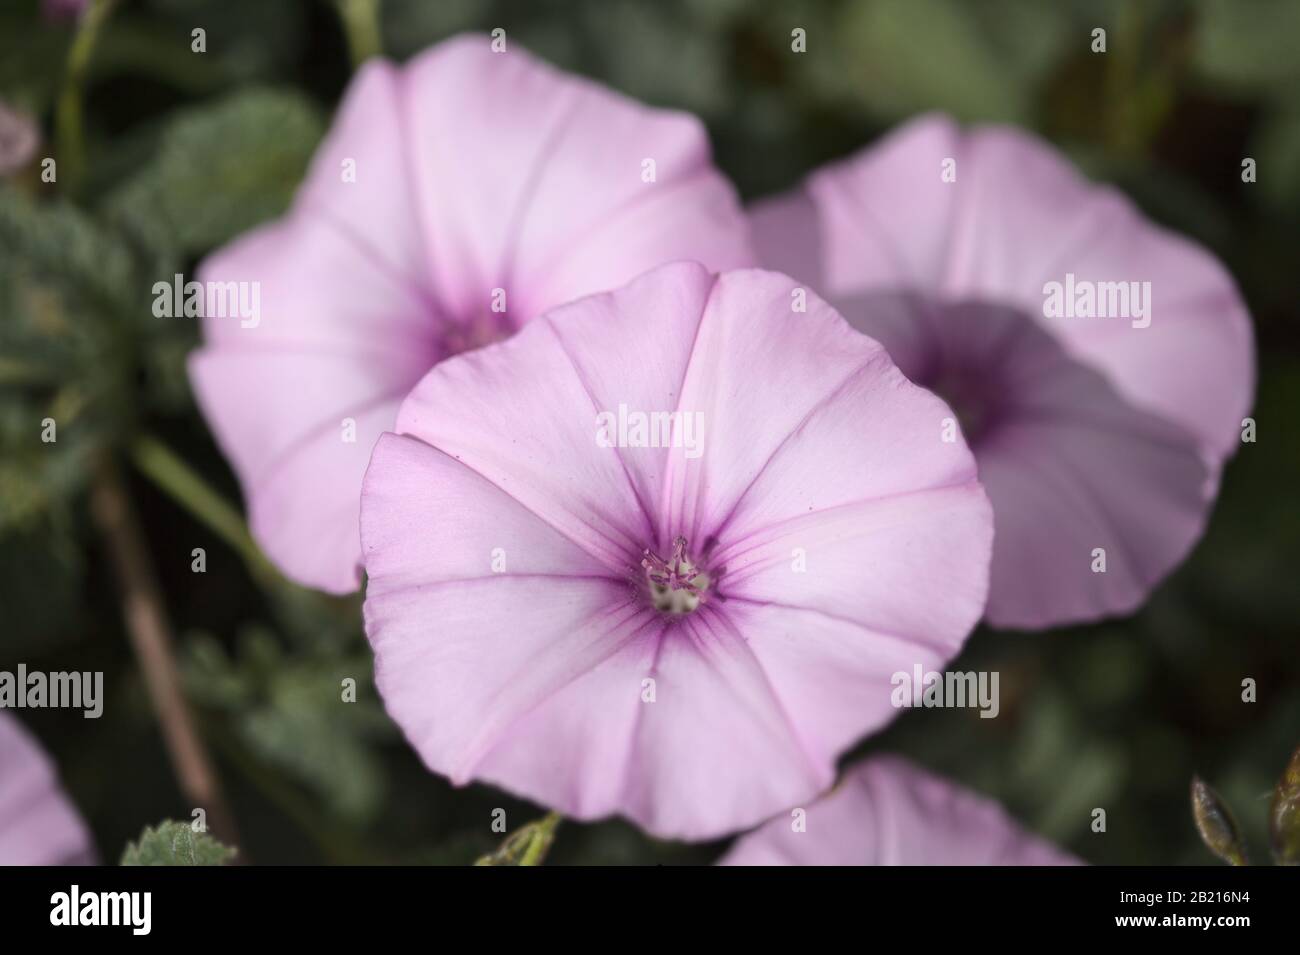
(527, 846)
(361, 24)
(162, 466)
(150, 634)
(68, 116)
(539, 842)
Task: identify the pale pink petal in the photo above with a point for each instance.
(307, 508)
(589, 358)
(520, 415)
(453, 520)
(1095, 501)
(313, 392)
(318, 290)
(832, 675)
(19, 137)
(556, 678)
(1080, 542)
(870, 564)
(886, 218)
(533, 181)
(1017, 216)
(1090, 433)
(801, 469)
(453, 199)
(38, 824)
(788, 229)
(682, 763)
(737, 350)
(1069, 467)
(297, 400)
(717, 750)
(521, 611)
(359, 181)
(885, 811)
(1194, 364)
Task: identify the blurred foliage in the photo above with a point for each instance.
(169, 201)
(285, 708)
(1119, 715)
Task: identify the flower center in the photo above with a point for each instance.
(485, 328)
(677, 585)
(970, 394)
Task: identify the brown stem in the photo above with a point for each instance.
(150, 633)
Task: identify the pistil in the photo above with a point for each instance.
(677, 585)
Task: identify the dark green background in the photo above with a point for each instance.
(180, 155)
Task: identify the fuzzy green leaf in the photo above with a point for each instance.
(199, 192)
(176, 843)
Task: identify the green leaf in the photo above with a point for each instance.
(635, 38)
(1276, 147)
(289, 710)
(200, 191)
(528, 846)
(902, 58)
(1248, 46)
(59, 246)
(71, 300)
(68, 292)
(176, 843)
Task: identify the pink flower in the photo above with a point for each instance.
(19, 138)
(38, 825)
(885, 811)
(1100, 432)
(488, 187)
(63, 9)
(684, 618)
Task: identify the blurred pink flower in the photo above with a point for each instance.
(885, 811)
(38, 825)
(688, 633)
(19, 138)
(1091, 431)
(63, 9)
(488, 188)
